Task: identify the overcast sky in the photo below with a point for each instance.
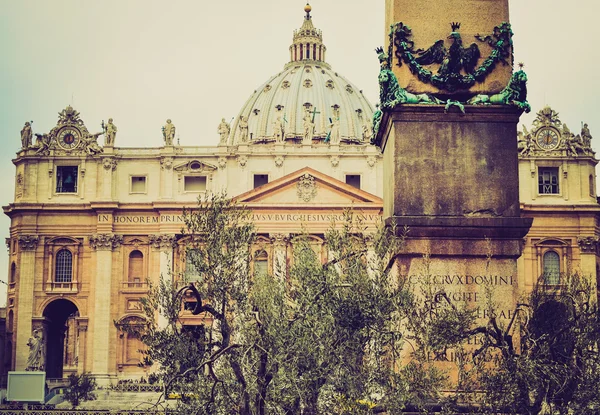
(143, 61)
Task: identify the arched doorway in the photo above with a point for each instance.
(61, 336)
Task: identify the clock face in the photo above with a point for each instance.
(69, 138)
(547, 138)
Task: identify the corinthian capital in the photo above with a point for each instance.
(588, 244)
(105, 241)
(28, 242)
(162, 241)
(279, 239)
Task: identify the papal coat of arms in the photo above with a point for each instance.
(307, 188)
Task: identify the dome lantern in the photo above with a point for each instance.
(307, 45)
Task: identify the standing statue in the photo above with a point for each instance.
(37, 352)
(223, 131)
(243, 126)
(586, 136)
(367, 132)
(309, 127)
(26, 135)
(278, 130)
(168, 133)
(334, 134)
(110, 132)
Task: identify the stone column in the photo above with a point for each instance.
(164, 244)
(279, 260)
(27, 247)
(102, 324)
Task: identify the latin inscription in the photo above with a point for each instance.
(288, 217)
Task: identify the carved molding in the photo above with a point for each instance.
(279, 161)
(371, 160)
(166, 163)
(109, 163)
(162, 241)
(105, 241)
(335, 160)
(222, 162)
(242, 160)
(587, 244)
(28, 242)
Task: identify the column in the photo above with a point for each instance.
(279, 241)
(102, 323)
(164, 244)
(27, 247)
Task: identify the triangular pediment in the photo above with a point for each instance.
(308, 187)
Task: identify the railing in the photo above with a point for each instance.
(61, 287)
(47, 410)
(136, 387)
(140, 285)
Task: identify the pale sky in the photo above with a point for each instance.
(194, 61)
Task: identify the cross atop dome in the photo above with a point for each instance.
(308, 42)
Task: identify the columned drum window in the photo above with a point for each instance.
(64, 266)
(551, 262)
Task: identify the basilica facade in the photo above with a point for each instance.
(92, 225)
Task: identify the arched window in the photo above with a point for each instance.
(551, 268)
(64, 266)
(261, 262)
(13, 273)
(136, 267)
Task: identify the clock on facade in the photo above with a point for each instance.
(547, 138)
(68, 138)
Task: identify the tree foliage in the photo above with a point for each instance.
(546, 360)
(321, 336)
(80, 388)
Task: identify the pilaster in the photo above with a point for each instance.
(280, 242)
(103, 244)
(27, 246)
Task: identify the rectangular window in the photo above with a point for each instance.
(138, 184)
(260, 180)
(66, 179)
(191, 273)
(548, 180)
(353, 180)
(194, 183)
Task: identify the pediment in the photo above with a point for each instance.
(194, 166)
(308, 187)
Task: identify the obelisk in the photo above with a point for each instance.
(451, 167)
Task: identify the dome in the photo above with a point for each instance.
(307, 88)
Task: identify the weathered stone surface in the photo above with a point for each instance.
(451, 165)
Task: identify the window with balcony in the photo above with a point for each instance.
(548, 180)
(66, 179)
(136, 269)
